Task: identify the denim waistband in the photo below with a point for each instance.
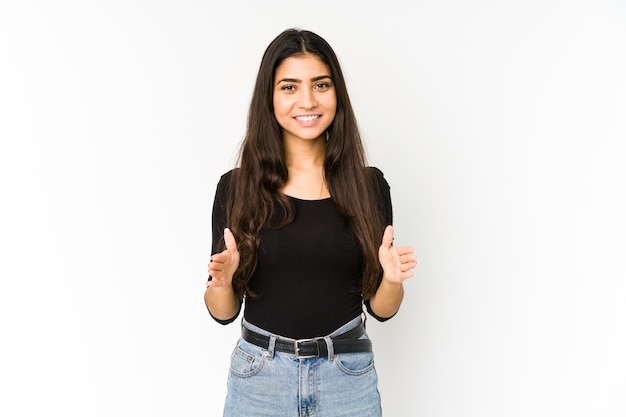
(346, 327)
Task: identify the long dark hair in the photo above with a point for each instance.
(255, 202)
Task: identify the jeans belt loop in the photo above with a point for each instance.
(329, 346)
(271, 347)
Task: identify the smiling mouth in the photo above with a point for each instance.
(307, 118)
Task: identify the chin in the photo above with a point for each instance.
(307, 136)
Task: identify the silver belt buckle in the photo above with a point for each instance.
(296, 348)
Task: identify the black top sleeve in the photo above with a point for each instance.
(219, 213)
(383, 197)
(218, 226)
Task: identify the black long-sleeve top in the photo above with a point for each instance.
(308, 273)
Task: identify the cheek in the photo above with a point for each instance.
(331, 104)
(281, 114)
(333, 109)
(280, 107)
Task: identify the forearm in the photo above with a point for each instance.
(386, 302)
(222, 302)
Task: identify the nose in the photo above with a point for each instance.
(307, 100)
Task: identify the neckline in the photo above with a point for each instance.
(309, 201)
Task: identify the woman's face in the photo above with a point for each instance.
(305, 102)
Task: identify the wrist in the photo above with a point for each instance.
(391, 281)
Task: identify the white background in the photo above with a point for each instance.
(500, 126)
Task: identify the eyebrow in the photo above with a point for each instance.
(295, 80)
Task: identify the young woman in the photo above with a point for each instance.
(302, 232)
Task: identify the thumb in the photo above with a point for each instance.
(229, 240)
(388, 237)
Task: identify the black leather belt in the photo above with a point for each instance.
(347, 342)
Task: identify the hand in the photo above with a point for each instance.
(224, 264)
(397, 262)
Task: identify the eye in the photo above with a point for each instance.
(288, 88)
(322, 86)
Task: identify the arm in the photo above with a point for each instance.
(222, 303)
(397, 263)
(219, 297)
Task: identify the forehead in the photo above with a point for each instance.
(301, 67)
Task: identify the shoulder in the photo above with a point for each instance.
(227, 178)
(378, 178)
(229, 175)
(224, 184)
(382, 193)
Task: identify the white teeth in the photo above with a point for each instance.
(306, 118)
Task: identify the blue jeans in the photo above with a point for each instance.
(266, 383)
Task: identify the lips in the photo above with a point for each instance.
(307, 118)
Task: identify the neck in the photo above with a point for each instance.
(305, 153)
(305, 164)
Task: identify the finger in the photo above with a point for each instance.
(215, 282)
(216, 274)
(408, 266)
(408, 258)
(229, 240)
(407, 275)
(404, 250)
(221, 257)
(387, 237)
